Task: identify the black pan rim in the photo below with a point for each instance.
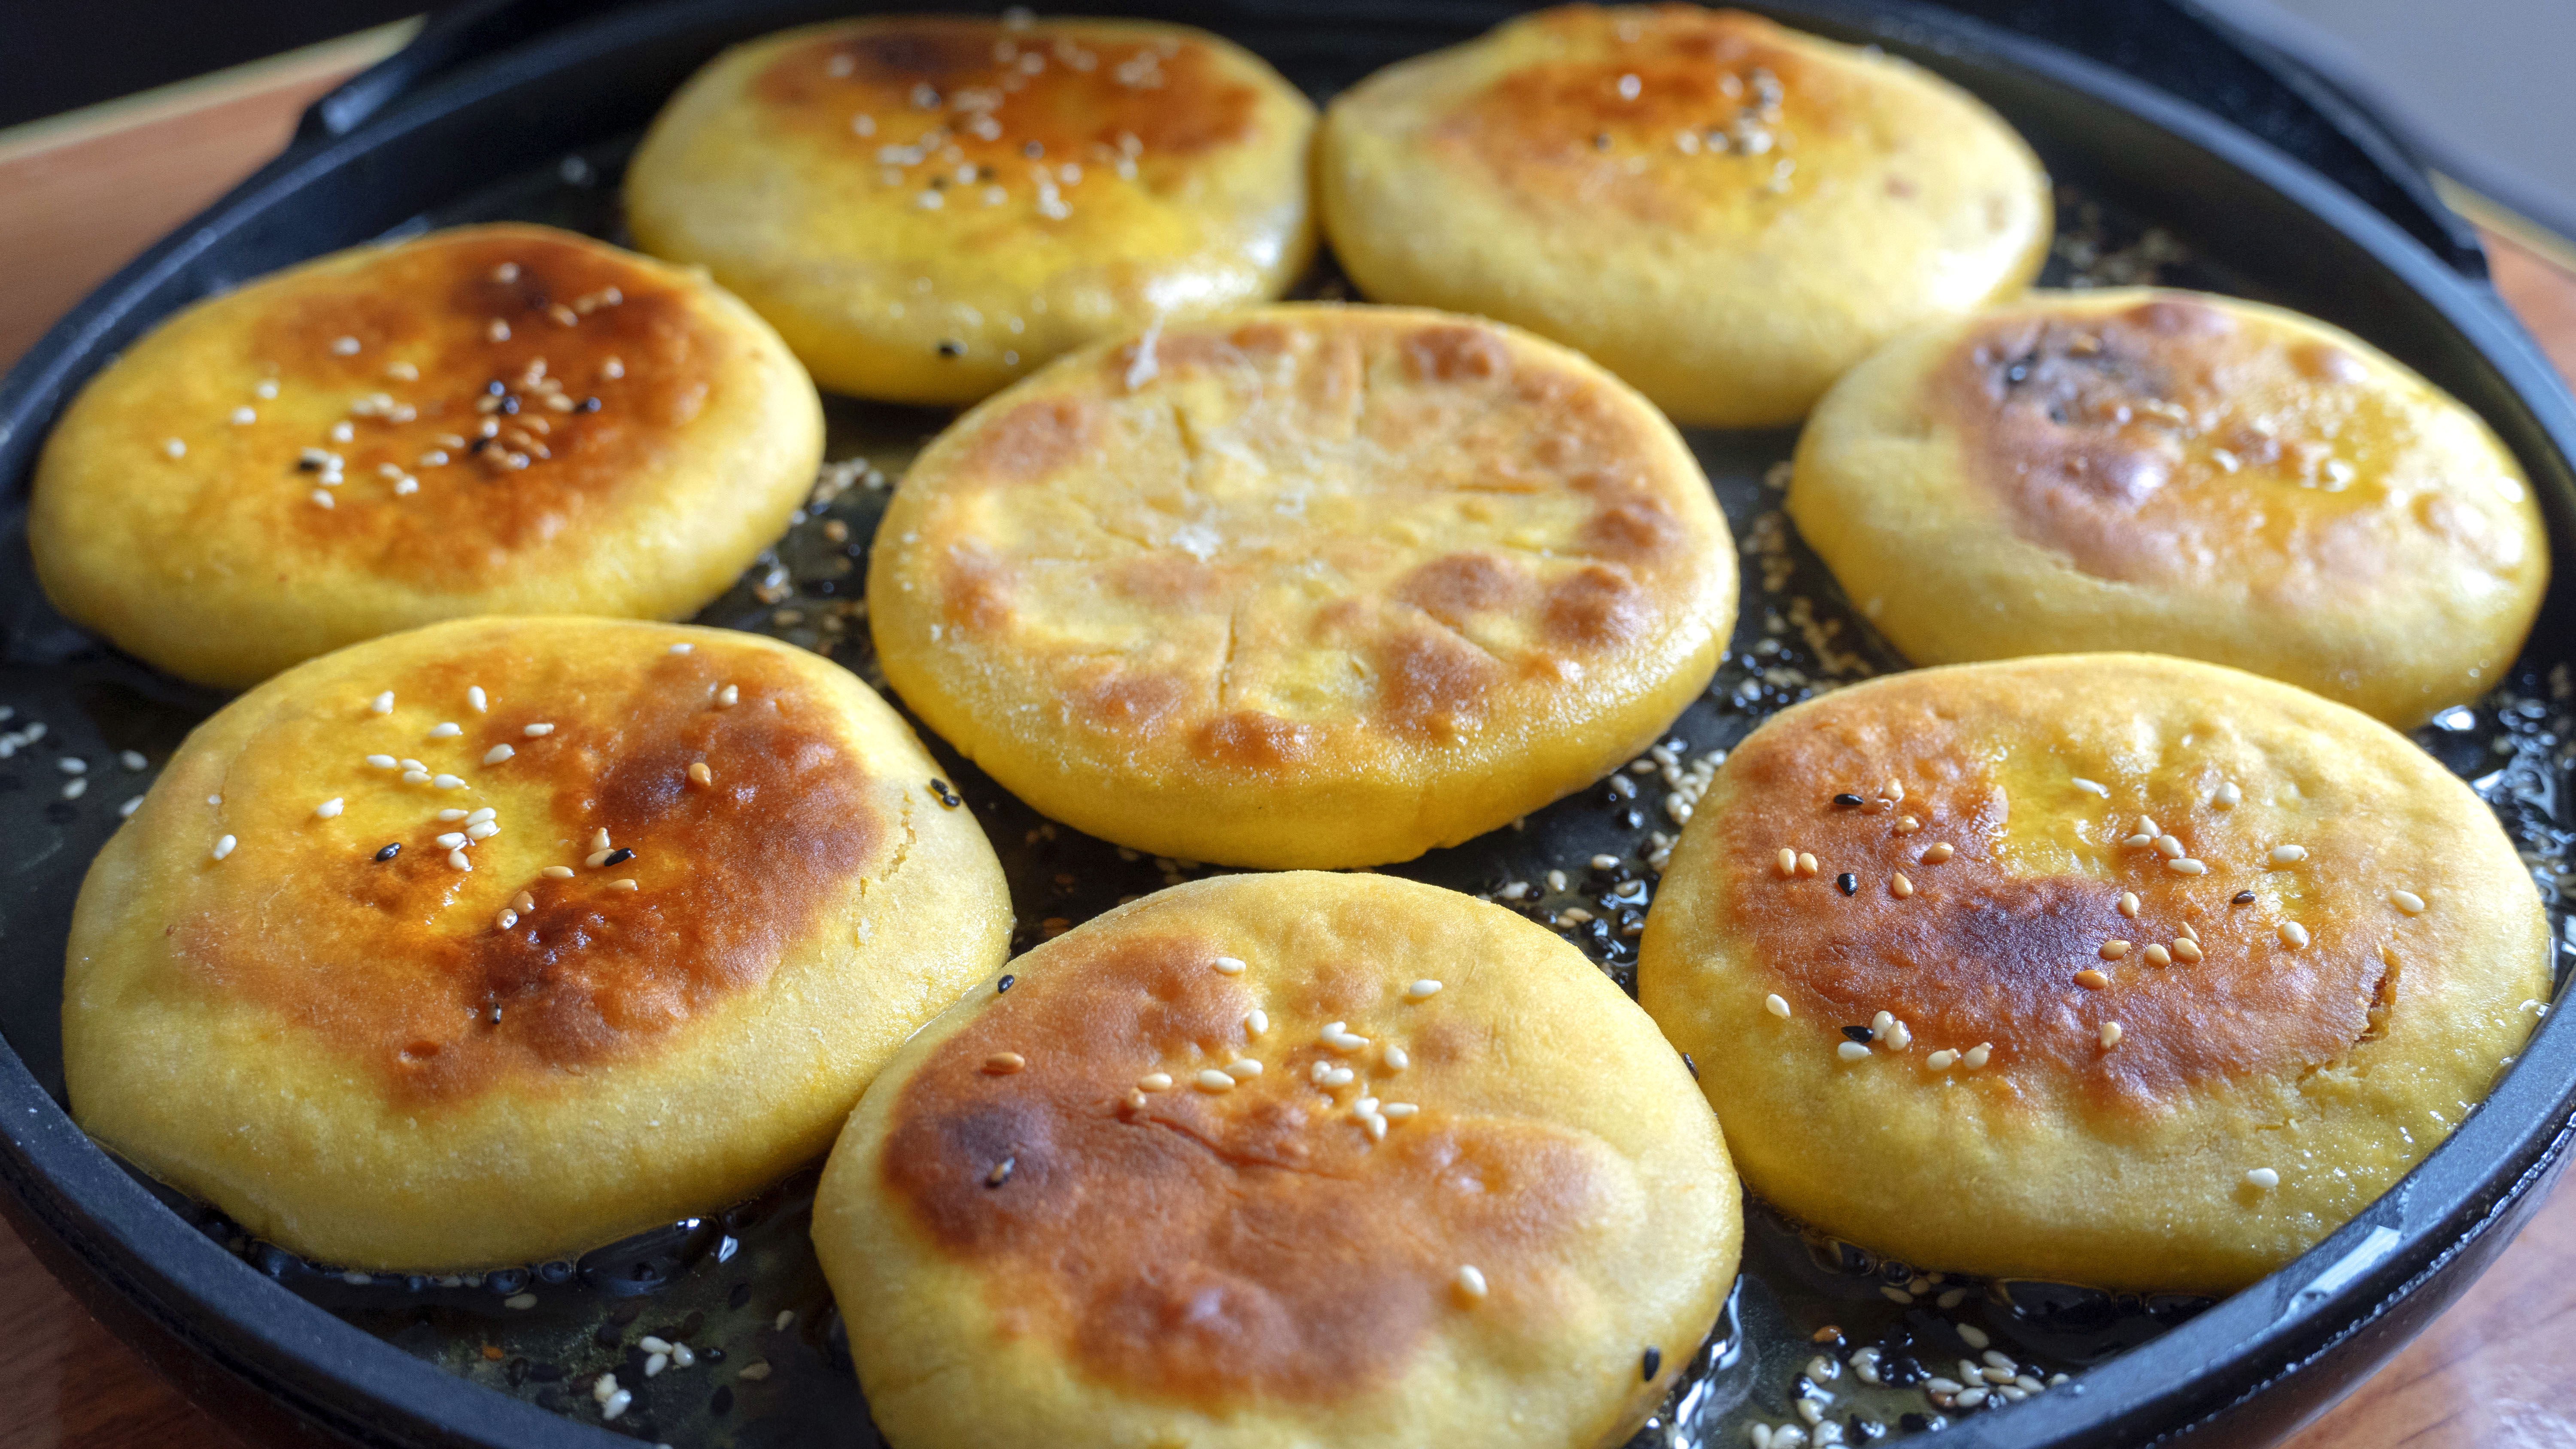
(353, 1386)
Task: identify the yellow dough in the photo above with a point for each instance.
(2167, 970)
(931, 206)
(626, 946)
(1723, 212)
(1285, 1159)
(1310, 586)
(2179, 472)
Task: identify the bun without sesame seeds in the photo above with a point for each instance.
(2180, 472)
(1723, 212)
(1043, 1228)
(2150, 974)
(931, 206)
(370, 981)
(1307, 586)
(485, 420)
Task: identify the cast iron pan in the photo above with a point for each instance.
(538, 128)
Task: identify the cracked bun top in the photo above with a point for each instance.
(1722, 211)
(483, 420)
(1288, 1158)
(931, 206)
(2157, 469)
(1306, 586)
(504, 938)
(2008, 933)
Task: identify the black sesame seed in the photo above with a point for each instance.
(1848, 883)
(952, 348)
(390, 851)
(619, 856)
(1847, 801)
(496, 1013)
(308, 465)
(510, 404)
(1001, 1172)
(1653, 1364)
(1859, 1033)
(588, 405)
(496, 387)
(2244, 898)
(1694, 1066)
(1032, 150)
(1004, 984)
(947, 796)
(1600, 140)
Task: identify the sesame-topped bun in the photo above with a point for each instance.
(932, 206)
(505, 938)
(1308, 586)
(487, 420)
(2179, 472)
(2104, 968)
(1723, 212)
(1283, 1159)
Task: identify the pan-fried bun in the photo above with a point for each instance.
(1723, 212)
(487, 420)
(506, 938)
(2183, 473)
(1283, 1159)
(1308, 586)
(2108, 968)
(932, 206)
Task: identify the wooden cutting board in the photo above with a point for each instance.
(81, 194)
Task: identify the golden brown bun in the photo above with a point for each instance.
(1307, 586)
(932, 206)
(2183, 473)
(193, 534)
(1725, 213)
(2140, 1072)
(408, 1063)
(1036, 1240)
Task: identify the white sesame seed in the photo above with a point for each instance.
(383, 704)
(520, 1301)
(1155, 1082)
(447, 782)
(2287, 854)
(2129, 904)
(506, 919)
(224, 847)
(2227, 795)
(1788, 861)
(328, 808)
(322, 496)
(134, 760)
(538, 731)
(483, 830)
(497, 754)
(457, 859)
(1243, 1069)
(381, 762)
(2157, 955)
(1396, 1059)
(244, 417)
(2139, 839)
(1397, 1111)
(1422, 990)
(2090, 788)
(2110, 1035)
(75, 787)
(1777, 1005)
(415, 777)
(475, 696)
(1941, 1061)
(1879, 1024)
(1975, 1336)
(345, 347)
(599, 840)
(2407, 901)
(1212, 1080)
(2262, 1177)
(1227, 966)
(1899, 1035)
(175, 448)
(1852, 1051)
(1938, 852)
(72, 765)
(682, 648)
(1975, 1057)
(1471, 1281)
(728, 697)
(1256, 1023)
(132, 804)
(557, 872)
(446, 730)
(652, 1344)
(2186, 866)
(342, 433)
(2169, 847)
(2113, 950)
(2293, 934)
(450, 815)
(452, 839)
(617, 1401)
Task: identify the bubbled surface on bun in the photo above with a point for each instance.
(2190, 474)
(931, 206)
(1043, 1226)
(486, 420)
(328, 993)
(2179, 968)
(1723, 212)
(1307, 586)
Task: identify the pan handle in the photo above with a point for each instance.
(451, 37)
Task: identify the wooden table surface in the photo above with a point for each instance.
(81, 194)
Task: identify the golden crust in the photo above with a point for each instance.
(1307, 586)
(932, 206)
(365, 377)
(1723, 212)
(2331, 991)
(432, 1060)
(1054, 1246)
(2155, 470)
